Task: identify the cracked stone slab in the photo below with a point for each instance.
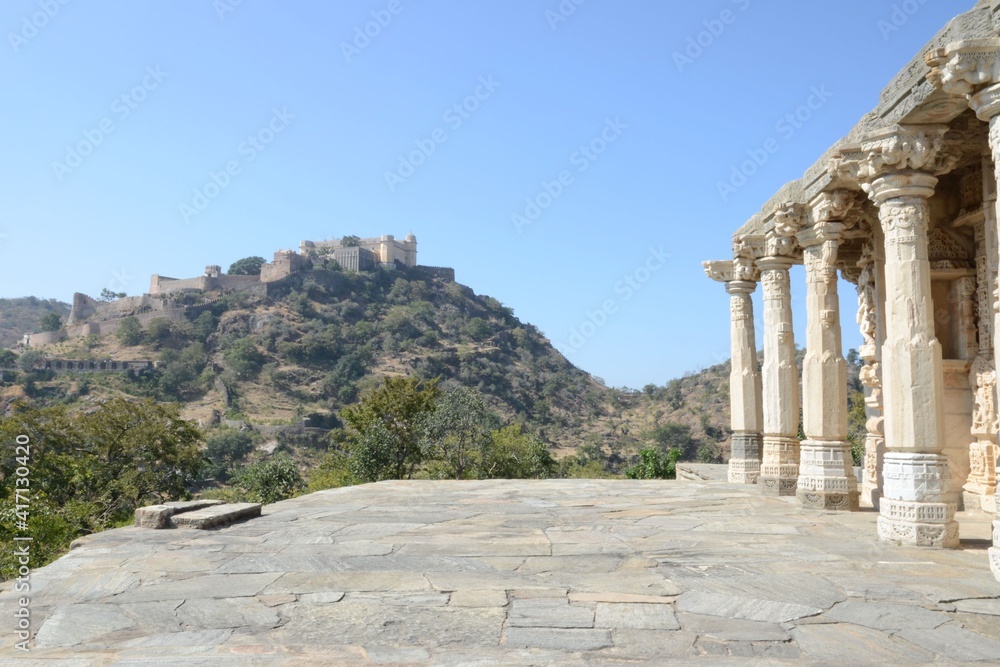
(882, 616)
(559, 639)
(479, 598)
(854, 644)
(955, 643)
(320, 598)
(635, 616)
(181, 639)
(731, 629)
(208, 586)
(371, 624)
(385, 655)
(549, 613)
(221, 613)
(750, 609)
(621, 597)
(429, 599)
(75, 624)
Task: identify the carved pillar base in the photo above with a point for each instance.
(779, 471)
(979, 492)
(826, 476)
(918, 508)
(744, 461)
(871, 484)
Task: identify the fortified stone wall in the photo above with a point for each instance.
(285, 263)
(164, 285)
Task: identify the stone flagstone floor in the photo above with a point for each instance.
(567, 572)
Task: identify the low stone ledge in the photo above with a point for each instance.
(159, 516)
(217, 515)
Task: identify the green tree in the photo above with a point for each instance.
(50, 322)
(108, 295)
(350, 241)
(243, 358)
(248, 266)
(269, 480)
(180, 372)
(159, 330)
(26, 362)
(653, 464)
(333, 472)
(514, 454)
(478, 329)
(857, 426)
(389, 418)
(374, 455)
(90, 471)
(7, 359)
(129, 332)
(225, 450)
(676, 436)
(459, 431)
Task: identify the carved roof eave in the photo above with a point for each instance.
(908, 99)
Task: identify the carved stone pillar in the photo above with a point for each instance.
(981, 482)
(744, 379)
(898, 168)
(826, 475)
(972, 69)
(871, 374)
(780, 466)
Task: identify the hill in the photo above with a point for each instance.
(18, 316)
(324, 336)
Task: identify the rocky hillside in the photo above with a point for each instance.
(317, 343)
(18, 316)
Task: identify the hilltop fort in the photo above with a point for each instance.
(167, 297)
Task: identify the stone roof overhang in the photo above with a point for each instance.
(908, 99)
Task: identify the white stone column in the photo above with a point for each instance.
(826, 474)
(869, 281)
(899, 168)
(971, 69)
(780, 464)
(744, 380)
(986, 104)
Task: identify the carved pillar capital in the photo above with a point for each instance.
(740, 275)
(789, 218)
(832, 206)
(969, 68)
(962, 68)
(719, 271)
(821, 232)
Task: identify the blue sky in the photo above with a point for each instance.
(564, 162)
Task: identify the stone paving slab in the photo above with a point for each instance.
(562, 572)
